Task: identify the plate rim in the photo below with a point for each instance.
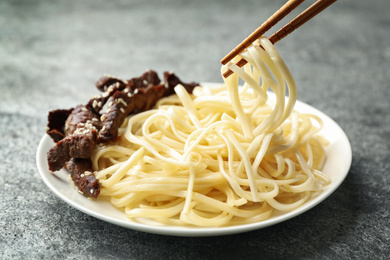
(204, 231)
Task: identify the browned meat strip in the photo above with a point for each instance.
(81, 172)
(96, 103)
(109, 85)
(81, 119)
(80, 131)
(141, 94)
(172, 80)
(124, 103)
(150, 77)
(73, 146)
(77, 131)
(106, 81)
(56, 123)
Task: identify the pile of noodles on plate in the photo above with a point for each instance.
(223, 155)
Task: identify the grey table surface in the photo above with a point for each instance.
(52, 52)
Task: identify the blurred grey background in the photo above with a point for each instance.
(52, 52)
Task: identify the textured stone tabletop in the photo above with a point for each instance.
(52, 52)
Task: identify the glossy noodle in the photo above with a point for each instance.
(225, 155)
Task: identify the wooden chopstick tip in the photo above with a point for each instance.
(302, 18)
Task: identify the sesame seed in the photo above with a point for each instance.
(102, 118)
(120, 100)
(122, 110)
(110, 88)
(136, 91)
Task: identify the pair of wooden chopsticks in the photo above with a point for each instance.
(302, 18)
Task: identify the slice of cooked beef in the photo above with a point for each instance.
(80, 129)
(140, 94)
(81, 172)
(172, 80)
(80, 119)
(77, 131)
(56, 123)
(150, 77)
(76, 145)
(124, 103)
(97, 102)
(106, 81)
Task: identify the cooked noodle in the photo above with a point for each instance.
(225, 155)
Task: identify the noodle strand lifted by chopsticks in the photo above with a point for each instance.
(223, 156)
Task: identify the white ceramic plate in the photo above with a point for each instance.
(337, 166)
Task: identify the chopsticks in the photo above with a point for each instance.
(302, 18)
